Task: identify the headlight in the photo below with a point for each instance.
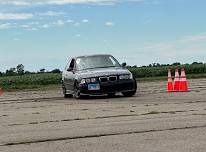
(83, 81)
(88, 80)
(126, 77)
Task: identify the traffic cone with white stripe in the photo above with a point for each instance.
(183, 81)
(177, 81)
(170, 83)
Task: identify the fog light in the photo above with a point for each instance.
(93, 80)
(83, 81)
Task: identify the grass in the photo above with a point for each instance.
(45, 81)
(163, 78)
(30, 81)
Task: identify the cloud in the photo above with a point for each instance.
(69, 21)
(85, 21)
(5, 26)
(63, 2)
(52, 2)
(59, 23)
(32, 26)
(51, 13)
(183, 42)
(193, 38)
(16, 3)
(109, 24)
(78, 35)
(45, 26)
(34, 23)
(76, 24)
(159, 46)
(183, 49)
(16, 39)
(33, 29)
(25, 26)
(15, 16)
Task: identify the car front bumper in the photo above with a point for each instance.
(110, 87)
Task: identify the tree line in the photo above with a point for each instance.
(151, 70)
(157, 70)
(19, 70)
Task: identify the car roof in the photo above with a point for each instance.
(92, 55)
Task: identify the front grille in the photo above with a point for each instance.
(112, 78)
(103, 79)
(109, 78)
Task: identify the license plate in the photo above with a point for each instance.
(93, 87)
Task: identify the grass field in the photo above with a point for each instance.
(189, 76)
(51, 81)
(30, 81)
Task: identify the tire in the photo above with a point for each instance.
(111, 94)
(65, 92)
(129, 93)
(76, 94)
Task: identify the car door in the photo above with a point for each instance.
(70, 75)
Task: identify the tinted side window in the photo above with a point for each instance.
(68, 64)
(71, 66)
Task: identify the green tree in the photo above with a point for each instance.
(20, 69)
(11, 72)
(56, 71)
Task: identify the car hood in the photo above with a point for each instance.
(98, 72)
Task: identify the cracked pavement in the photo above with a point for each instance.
(153, 120)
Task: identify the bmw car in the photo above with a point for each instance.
(97, 75)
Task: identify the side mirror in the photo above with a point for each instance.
(124, 64)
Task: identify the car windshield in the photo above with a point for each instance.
(92, 62)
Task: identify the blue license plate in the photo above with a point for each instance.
(93, 87)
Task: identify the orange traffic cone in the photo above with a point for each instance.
(169, 83)
(183, 81)
(177, 81)
(1, 92)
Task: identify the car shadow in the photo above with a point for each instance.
(94, 97)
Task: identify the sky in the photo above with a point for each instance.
(46, 33)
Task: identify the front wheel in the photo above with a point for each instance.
(111, 94)
(129, 93)
(65, 92)
(76, 94)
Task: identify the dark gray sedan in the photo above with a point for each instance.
(97, 75)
